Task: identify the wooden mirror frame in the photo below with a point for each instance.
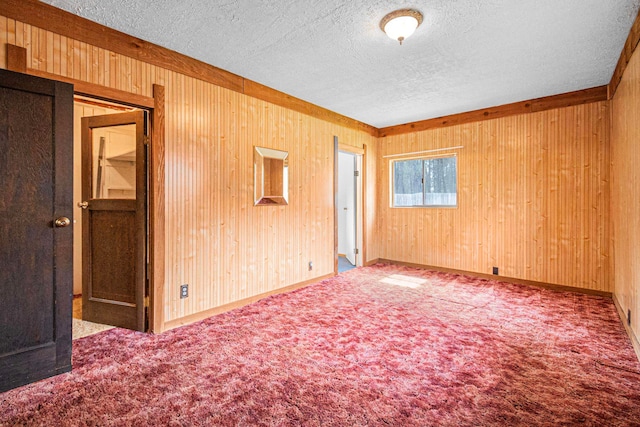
(270, 176)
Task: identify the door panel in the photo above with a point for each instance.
(118, 248)
(36, 164)
(114, 223)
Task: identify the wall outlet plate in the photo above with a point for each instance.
(184, 291)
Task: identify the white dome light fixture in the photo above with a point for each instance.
(400, 24)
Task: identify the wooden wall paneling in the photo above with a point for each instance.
(625, 199)
(64, 23)
(215, 239)
(22, 36)
(66, 58)
(202, 92)
(131, 51)
(11, 32)
(18, 62)
(531, 191)
(47, 49)
(36, 60)
(602, 224)
(171, 206)
(248, 283)
(54, 58)
(228, 198)
(191, 233)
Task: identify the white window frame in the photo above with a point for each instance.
(392, 183)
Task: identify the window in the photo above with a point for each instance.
(425, 182)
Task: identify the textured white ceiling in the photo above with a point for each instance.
(466, 55)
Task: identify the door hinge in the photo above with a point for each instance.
(356, 173)
(357, 251)
(146, 301)
(145, 140)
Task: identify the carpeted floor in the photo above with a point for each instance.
(375, 346)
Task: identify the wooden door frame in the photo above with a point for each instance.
(17, 61)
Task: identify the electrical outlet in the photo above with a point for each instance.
(495, 270)
(629, 316)
(310, 265)
(184, 291)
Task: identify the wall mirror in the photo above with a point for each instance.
(270, 176)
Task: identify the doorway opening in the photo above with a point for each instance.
(110, 211)
(349, 210)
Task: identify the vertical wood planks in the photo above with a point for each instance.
(225, 248)
(533, 192)
(625, 197)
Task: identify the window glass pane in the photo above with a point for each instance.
(114, 162)
(407, 183)
(425, 182)
(440, 181)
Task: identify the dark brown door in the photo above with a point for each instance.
(36, 252)
(114, 220)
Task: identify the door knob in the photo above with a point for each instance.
(63, 221)
(83, 205)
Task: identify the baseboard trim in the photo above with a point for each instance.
(192, 318)
(559, 288)
(623, 318)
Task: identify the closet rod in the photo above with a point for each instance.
(422, 152)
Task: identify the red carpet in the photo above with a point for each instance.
(355, 351)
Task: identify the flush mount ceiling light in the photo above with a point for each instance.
(400, 24)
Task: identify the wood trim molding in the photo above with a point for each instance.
(44, 16)
(625, 56)
(16, 58)
(559, 288)
(336, 144)
(99, 92)
(363, 216)
(156, 211)
(632, 336)
(256, 90)
(17, 61)
(585, 96)
(50, 18)
(237, 304)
